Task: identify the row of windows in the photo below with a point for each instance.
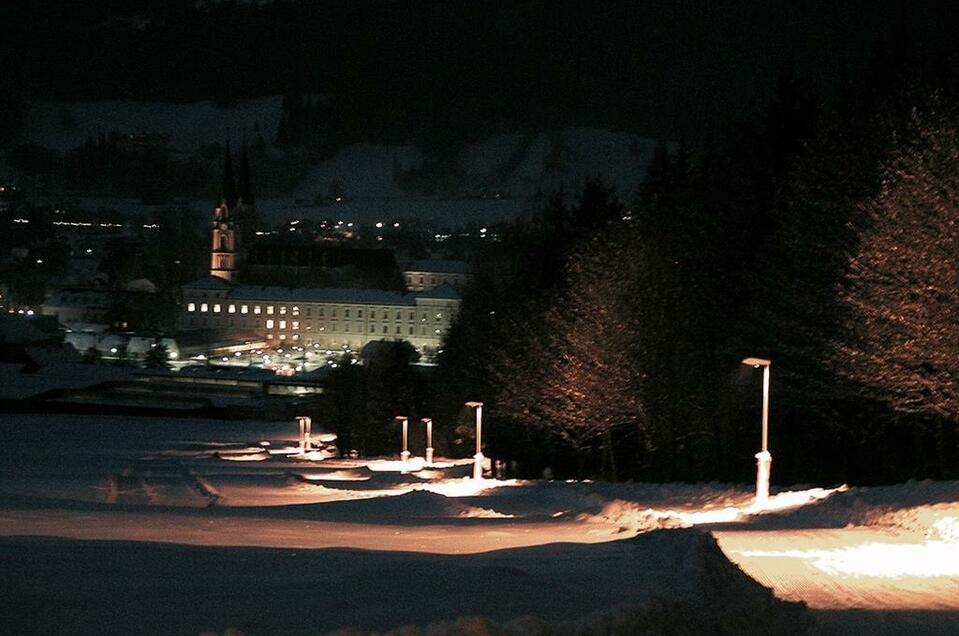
(295, 311)
(294, 325)
(433, 280)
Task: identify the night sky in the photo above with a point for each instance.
(441, 72)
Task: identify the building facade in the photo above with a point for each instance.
(328, 318)
(426, 274)
(321, 317)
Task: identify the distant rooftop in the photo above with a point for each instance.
(444, 291)
(210, 282)
(437, 266)
(322, 294)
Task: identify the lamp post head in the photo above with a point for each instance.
(473, 405)
(400, 418)
(757, 362)
(426, 420)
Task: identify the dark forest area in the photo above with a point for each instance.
(607, 334)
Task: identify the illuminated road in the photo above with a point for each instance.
(856, 580)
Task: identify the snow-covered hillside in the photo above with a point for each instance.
(63, 126)
(502, 177)
(504, 166)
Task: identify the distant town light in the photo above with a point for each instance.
(379, 224)
(397, 224)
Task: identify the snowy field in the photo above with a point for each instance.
(114, 525)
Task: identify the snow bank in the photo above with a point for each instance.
(914, 506)
(704, 593)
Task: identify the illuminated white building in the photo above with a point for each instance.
(328, 317)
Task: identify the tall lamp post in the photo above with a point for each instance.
(306, 425)
(478, 457)
(764, 459)
(429, 439)
(405, 455)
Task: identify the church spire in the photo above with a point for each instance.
(229, 184)
(246, 187)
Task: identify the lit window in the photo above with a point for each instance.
(231, 309)
(256, 309)
(269, 323)
(269, 336)
(269, 309)
(216, 308)
(436, 331)
(295, 324)
(191, 307)
(296, 336)
(282, 336)
(204, 307)
(439, 316)
(282, 324)
(283, 310)
(244, 309)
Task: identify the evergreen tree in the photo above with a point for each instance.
(902, 332)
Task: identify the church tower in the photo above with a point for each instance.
(223, 256)
(224, 253)
(234, 219)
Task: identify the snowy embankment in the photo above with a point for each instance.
(280, 544)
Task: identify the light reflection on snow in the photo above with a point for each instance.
(886, 560)
(781, 502)
(465, 487)
(791, 500)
